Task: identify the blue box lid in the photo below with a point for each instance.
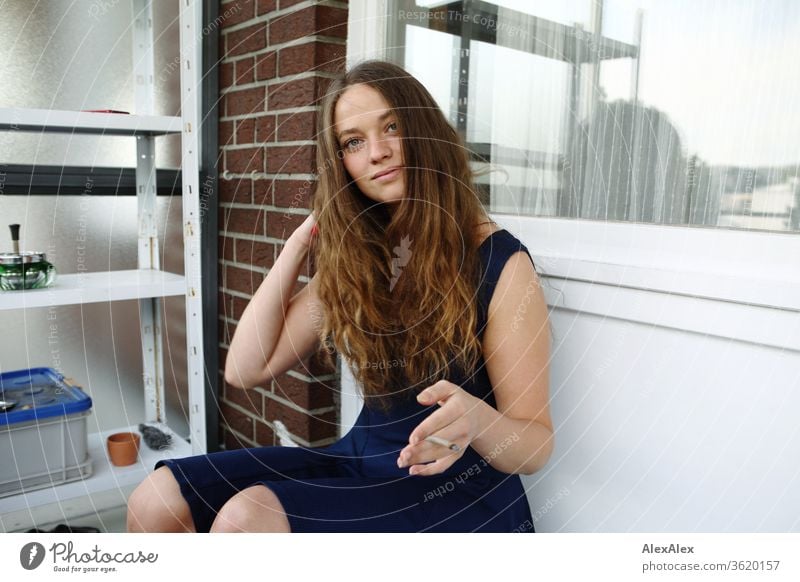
(40, 393)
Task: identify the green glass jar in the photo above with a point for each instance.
(28, 270)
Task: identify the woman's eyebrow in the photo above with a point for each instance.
(383, 117)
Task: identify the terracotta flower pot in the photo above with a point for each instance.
(123, 448)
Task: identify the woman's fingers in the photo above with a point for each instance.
(307, 230)
(434, 423)
(426, 451)
(434, 468)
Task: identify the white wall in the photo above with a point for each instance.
(662, 430)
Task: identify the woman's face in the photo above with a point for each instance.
(368, 135)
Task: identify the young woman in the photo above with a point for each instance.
(438, 312)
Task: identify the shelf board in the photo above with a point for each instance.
(97, 287)
(55, 121)
(107, 487)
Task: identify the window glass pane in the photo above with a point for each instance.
(677, 112)
(525, 148)
(79, 55)
(436, 74)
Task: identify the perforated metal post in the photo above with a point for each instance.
(148, 252)
(190, 25)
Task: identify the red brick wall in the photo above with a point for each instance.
(277, 58)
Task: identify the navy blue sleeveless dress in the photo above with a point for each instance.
(354, 484)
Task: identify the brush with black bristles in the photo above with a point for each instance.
(155, 438)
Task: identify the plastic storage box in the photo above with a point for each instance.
(43, 440)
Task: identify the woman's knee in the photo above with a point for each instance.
(157, 505)
(255, 509)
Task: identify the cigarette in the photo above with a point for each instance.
(444, 443)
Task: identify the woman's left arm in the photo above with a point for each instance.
(517, 436)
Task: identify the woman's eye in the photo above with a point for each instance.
(351, 144)
(393, 124)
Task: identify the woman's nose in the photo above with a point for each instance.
(379, 150)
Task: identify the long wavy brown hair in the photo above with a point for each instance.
(399, 290)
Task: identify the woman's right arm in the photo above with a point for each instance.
(275, 332)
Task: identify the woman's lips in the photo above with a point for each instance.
(388, 176)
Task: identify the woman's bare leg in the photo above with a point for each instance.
(158, 506)
(255, 509)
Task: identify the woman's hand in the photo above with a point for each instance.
(457, 420)
(306, 232)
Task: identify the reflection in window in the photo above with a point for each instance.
(677, 112)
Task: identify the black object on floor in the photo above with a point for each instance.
(64, 528)
(155, 438)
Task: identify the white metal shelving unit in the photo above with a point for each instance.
(109, 486)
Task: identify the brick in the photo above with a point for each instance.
(297, 126)
(245, 131)
(291, 159)
(239, 305)
(244, 161)
(244, 102)
(265, 129)
(262, 192)
(223, 357)
(304, 394)
(292, 193)
(296, 93)
(331, 58)
(251, 400)
(244, 220)
(255, 253)
(225, 133)
(236, 12)
(224, 304)
(233, 441)
(286, 3)
(281, 225)
(266, 66)
(236, 190)
(297, 59)
(308, 427)
(265, 436)
(226, 246)
(265, 6)
(321, 20)
(241, 280)
(226, 75)
(245, 71)
(246, 40)
(332, 21)
(311, 56)
(237, 420)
